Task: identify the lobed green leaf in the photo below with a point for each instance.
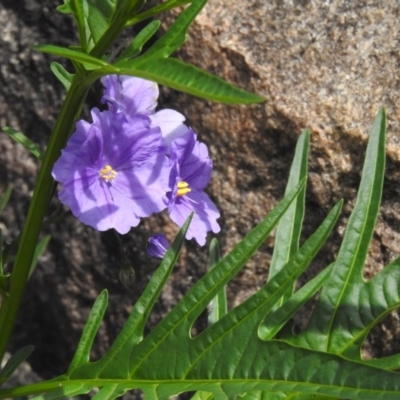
(277, 319)
(218, 306)
(89, 332)
(238, 330)
(289, 229)
(65, 392)
(340, 317)
(109, 392)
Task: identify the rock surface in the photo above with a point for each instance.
(326, 65)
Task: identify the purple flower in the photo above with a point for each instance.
(190, 173)
(113, 171)
(134, 96)
(157, 246)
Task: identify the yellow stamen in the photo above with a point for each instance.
(107, 173)
(183, 188)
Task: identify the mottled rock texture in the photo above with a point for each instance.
(326, 65)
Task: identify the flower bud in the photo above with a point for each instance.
(127, 276)
(157, 246)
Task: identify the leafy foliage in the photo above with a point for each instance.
(154, 64)
(348, 306)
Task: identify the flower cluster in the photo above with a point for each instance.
(132, 161)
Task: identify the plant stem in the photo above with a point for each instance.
(64, 124)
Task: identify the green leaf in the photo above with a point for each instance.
(289, 229)
(89, 332)
(186, 78)
(76, 8)
(139, 41)
(109, 392)
(14, 362)
(40, 248)
(277, 319)
(97, 23)
(62, 74)
(390, 363)
(106, 7)
(4, 200)
(200, 395)
(218, 305)
(264, 396)
(65, 392)
(65, 8)
(89, 62)
(378, 297)
(344, 312)
(21, 138)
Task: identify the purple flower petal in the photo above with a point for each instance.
(204, 219)
(191, 157)
(170, 123)
(113, 171)
(130, 94)
(157, 246)
(190, 173)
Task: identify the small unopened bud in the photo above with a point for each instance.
(157, 246)
(127, 275)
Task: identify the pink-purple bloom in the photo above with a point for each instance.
(157, 245)
(191, 169)
(113, 171)
(132, 161)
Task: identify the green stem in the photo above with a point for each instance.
(64, 124)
